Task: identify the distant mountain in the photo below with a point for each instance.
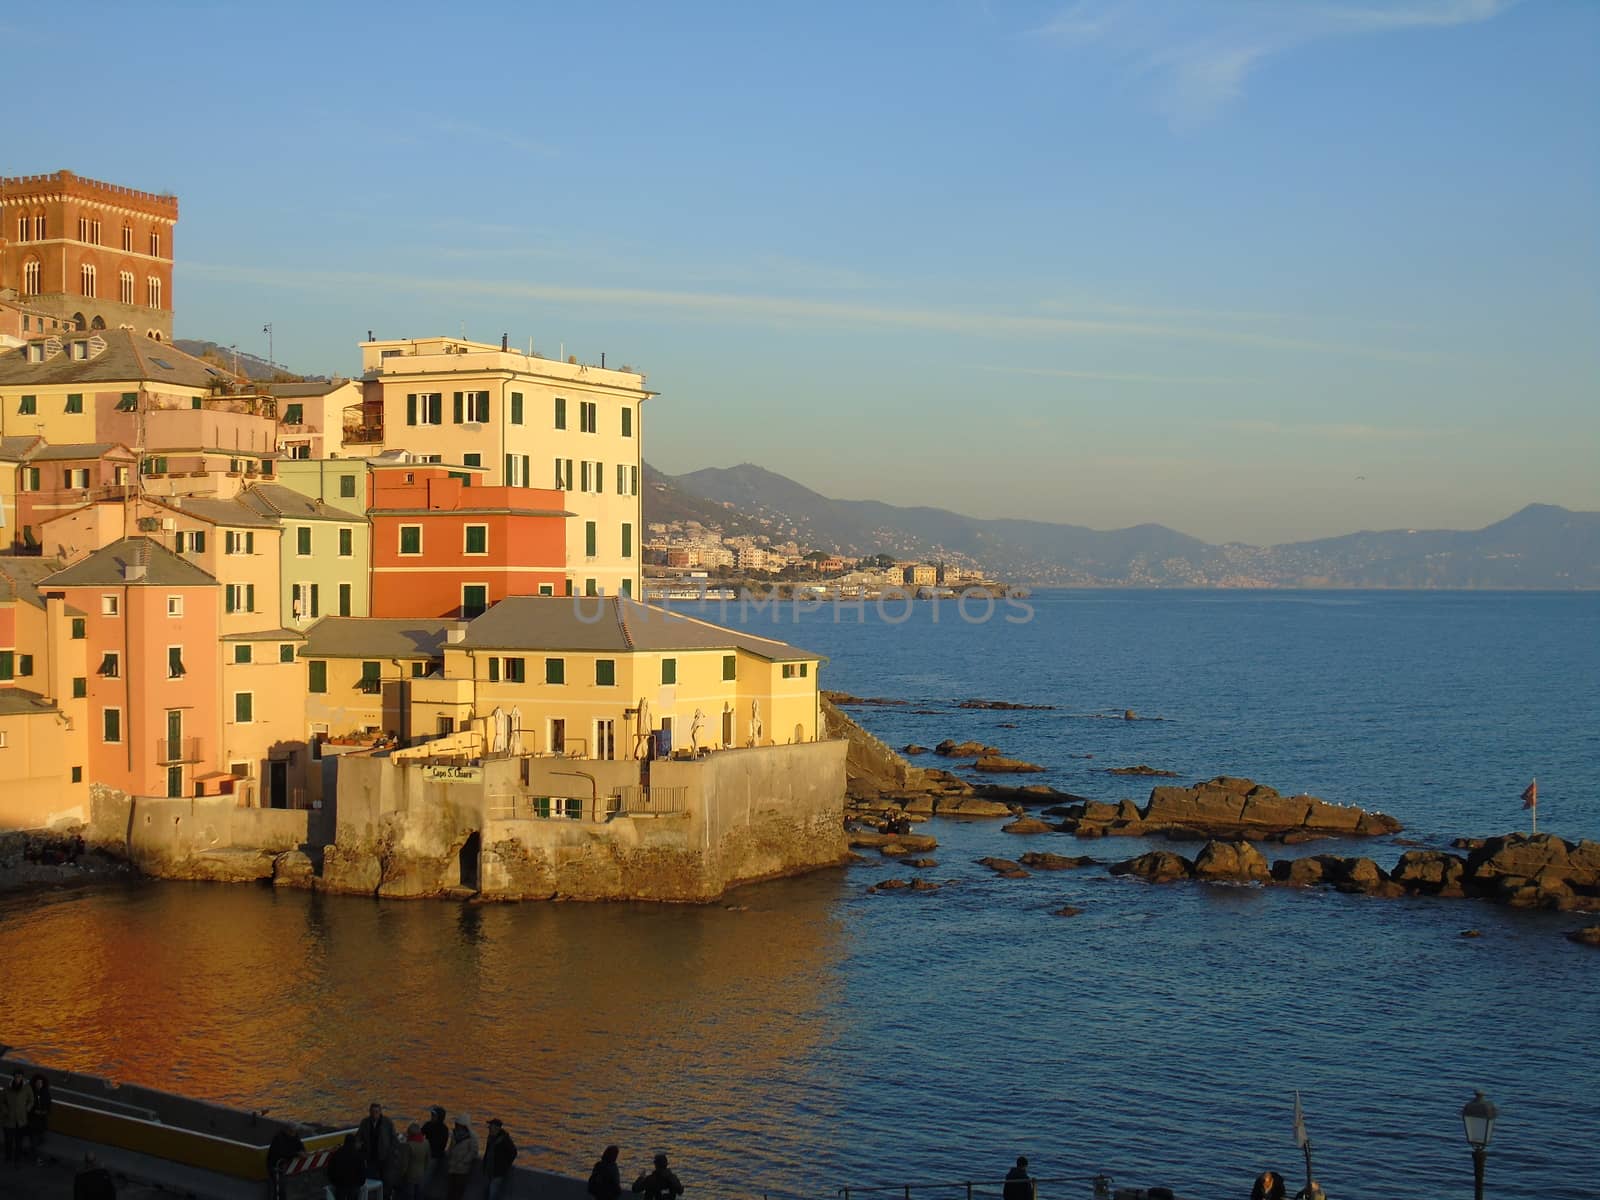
(1542, 546)
(250, 366)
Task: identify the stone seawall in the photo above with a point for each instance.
(737, 816)
(200, 837)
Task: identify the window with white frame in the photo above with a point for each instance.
(38, 228)
(30, 277)
(127, 237)
(86, 279)
(155, 245)
(125, 286)
(174, 606)
(110, 605)
(152, 292)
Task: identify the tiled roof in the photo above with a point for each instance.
(609, 623)
(104, 568)
(78, 450)
(15, 449)
(15, 701)
(264, 635)
(127, 358)
(19, 578)
(375, 637)
(295, 391)
(220, 512)
(275, 500)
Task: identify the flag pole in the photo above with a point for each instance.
(1302, 1137)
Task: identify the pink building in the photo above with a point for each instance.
(151, 627)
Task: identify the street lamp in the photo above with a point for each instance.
(1477, 1118)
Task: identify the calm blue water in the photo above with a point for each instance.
(812, 1036)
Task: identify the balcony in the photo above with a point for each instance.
(172, 751)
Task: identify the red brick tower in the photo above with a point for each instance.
(97, 255)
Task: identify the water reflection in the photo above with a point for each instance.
(576, 1024)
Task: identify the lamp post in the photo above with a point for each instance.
(1477, 1118)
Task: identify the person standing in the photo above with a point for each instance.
(659, 1184)
(436, 1131)
(39, 1118)
(463, 1156)
(16, 1105)
(283, 1149)
(416, 1159)
(378, 1142)
(499, 1152)
(605, 1181)
(345, 1170)
(1268, 1186)
(1019, 1184)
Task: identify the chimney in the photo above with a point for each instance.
(370, 338)
(133, 572)
(505, 342)
(456, 634)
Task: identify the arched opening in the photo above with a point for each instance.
(471, 849)
(98, 323)
(154, 335)
(78, 321)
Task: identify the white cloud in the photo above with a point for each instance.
(731, 306)
(1198, 53)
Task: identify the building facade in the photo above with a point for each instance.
(528, 421)
(93, 255)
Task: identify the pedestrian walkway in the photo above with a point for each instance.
(141, 1177)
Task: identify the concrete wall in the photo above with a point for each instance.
(198, 838)
(735, 817)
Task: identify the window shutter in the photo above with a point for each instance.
(316, 610)
(494, 670)
(436, 408)
(411, 408)
(561, 412)
(455, 408)
(249, 597)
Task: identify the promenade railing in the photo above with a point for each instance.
(1054, 1187)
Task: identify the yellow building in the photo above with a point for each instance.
(530, 422)
(591, 678)
(359, 672)
(264, 737)
(43, 709)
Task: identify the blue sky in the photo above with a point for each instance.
(1256, 269)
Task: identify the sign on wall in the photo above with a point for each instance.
(436, 773)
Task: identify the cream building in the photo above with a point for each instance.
(590, 678)
(530, 422)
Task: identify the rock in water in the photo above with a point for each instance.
(1028, 825)
(998, 764)
(1589, 935)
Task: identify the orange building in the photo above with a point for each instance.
(95, 255)
(149, 620)
(444, 547)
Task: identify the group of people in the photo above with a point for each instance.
(24, 1117)
(405, 1164)
(658, 1183)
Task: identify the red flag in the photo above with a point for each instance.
(1530, 795)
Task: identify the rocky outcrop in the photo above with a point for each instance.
(1226, 806)
(954, 749)
(1004, 867)
(997, 764)
(1231, 862)
(1005, 706)
(913, 748)
(1044, 861)
(1141, 769)
(909, 843)
(1589, 935)
(1028, 825)
(1158, 866)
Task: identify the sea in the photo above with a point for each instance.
(806, 1036)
